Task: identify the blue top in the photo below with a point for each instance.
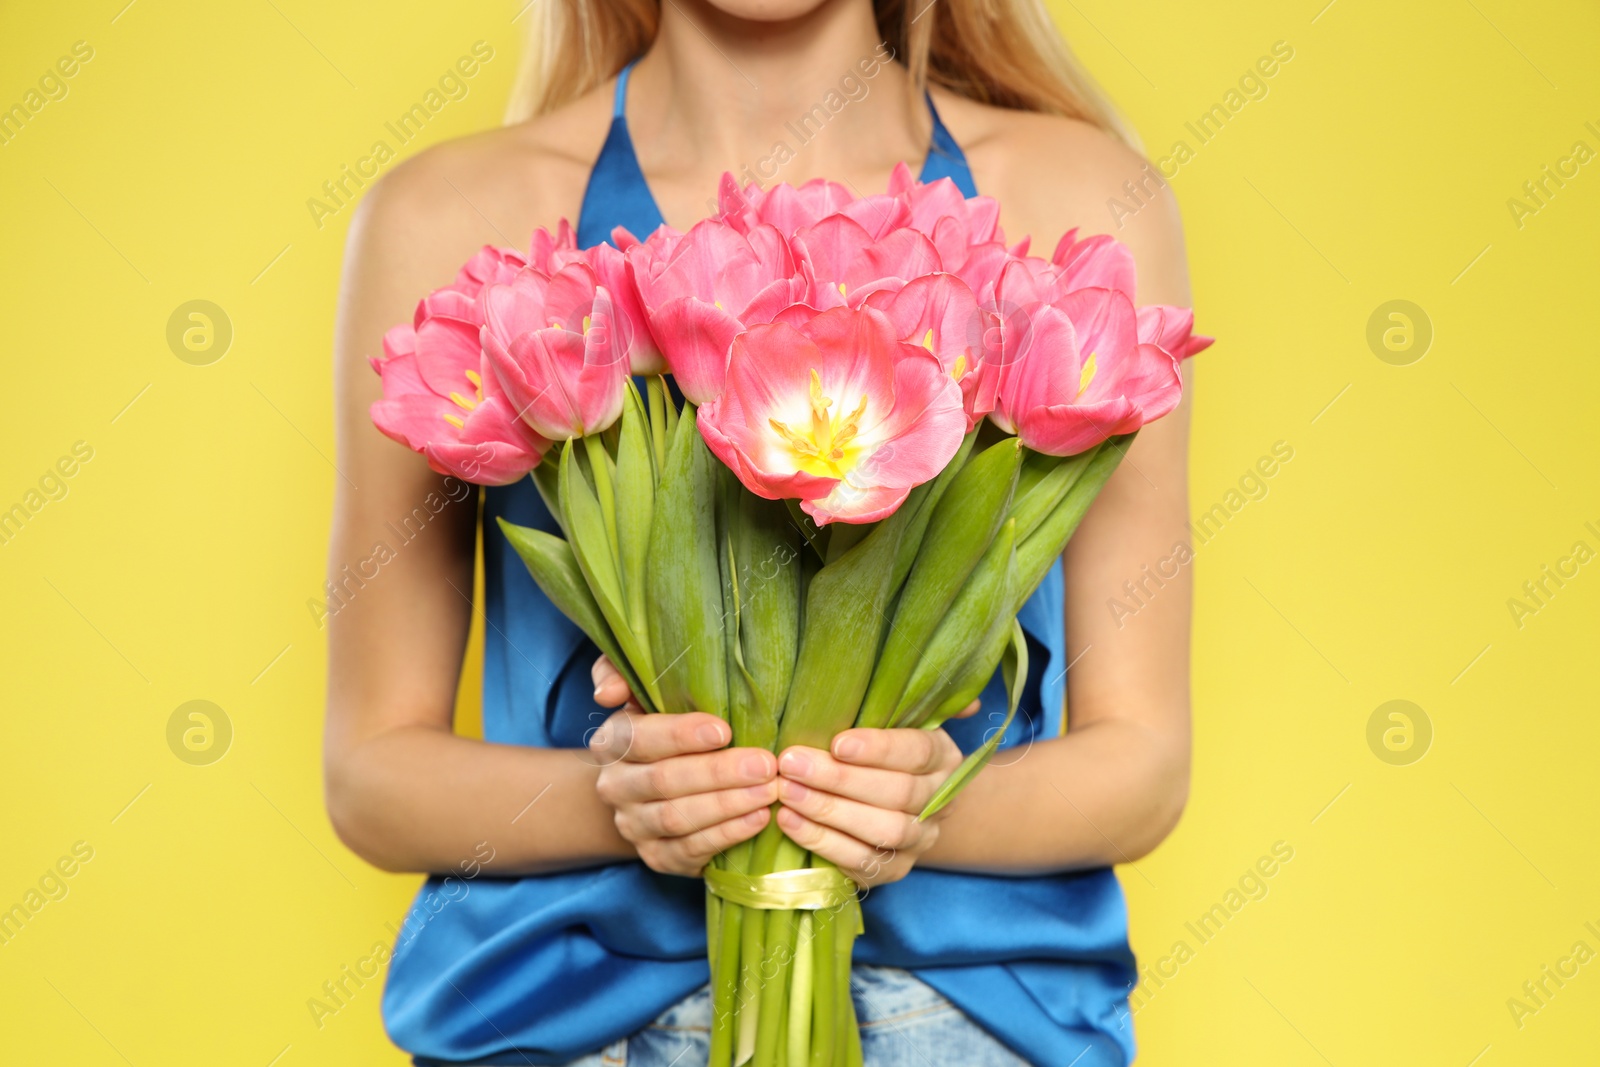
(547, 968)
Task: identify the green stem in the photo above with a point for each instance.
(826, 969)
(746, 1007)
(800, 1002)
(655, 390)
(848, 1053)
(600, 470)
(775, 971)
(725, 979)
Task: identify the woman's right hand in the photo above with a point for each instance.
(678, 794)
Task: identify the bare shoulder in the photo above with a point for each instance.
(427, 216)
(1051, 174)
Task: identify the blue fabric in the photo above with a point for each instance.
(545, 969)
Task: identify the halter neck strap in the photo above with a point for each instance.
(619, 195)
(945, 158)
(619, 98)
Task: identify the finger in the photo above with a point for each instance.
(686, 815)
(661, 736)
(690, 854)
(894, 790)
(610, 741)
(969, 711)
(911, 751)
(610, 687)
(682, 776)
(884, 827)
(862, 862)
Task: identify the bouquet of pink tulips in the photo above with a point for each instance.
(891, 423)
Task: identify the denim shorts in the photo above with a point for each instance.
(904, 1023)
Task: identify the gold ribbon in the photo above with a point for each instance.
(810, 889)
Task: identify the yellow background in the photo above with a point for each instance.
(1378, 567)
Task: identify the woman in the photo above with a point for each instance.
(567, 926)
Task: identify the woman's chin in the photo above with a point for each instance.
(766, 10)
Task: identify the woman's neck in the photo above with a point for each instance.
(770, 101)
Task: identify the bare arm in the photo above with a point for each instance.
(1114, 786)
(403, 790)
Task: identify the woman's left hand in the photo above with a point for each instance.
(857, 805)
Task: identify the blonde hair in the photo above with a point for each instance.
(1007, 53)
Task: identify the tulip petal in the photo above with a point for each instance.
(695, 339)
(445, 350)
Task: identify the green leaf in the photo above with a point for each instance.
(762, 574)
(1015, 667)
(959, 532)
(912, 542)
(602, 470)
(957, 657)
(591, 546)
(636, 498)
(1043, 482)
(1037, 553)
(683, 579)
(585, 524)
(844, 614)
(555, 570)
(547, 479)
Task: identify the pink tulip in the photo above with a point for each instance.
(1073, 373)
(699, 290)
(939, 206)
(835, 412)
(843, 263)
(939, 312)
(1172, 328)
(453, 414)
(489, 266)
(1098, 262)
(965, 231)
(549, 252)
(784, 207)
(610, 265)
(558, 348)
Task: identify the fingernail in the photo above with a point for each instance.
(756, 818)
(710, 734)
(795, 764)
(846, 747)
(597, 692)
(753, 766)
(758, 792)
(792, 791)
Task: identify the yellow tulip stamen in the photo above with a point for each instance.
(927, 340)
(830, 439)
(477, 382)
(453, 421)
(846, 431)
(960, 368)
(1088, 374)
(463, 402)
(841, 288)
(820, 425)
(802, 445)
